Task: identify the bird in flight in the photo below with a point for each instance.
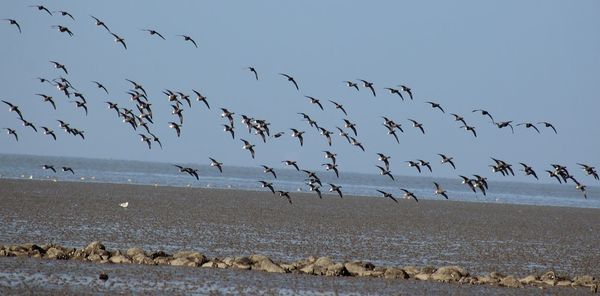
(215, 163)
(65, 13)
(368, 85)
(119, 39)
(100, 23)
(14, 22)
(41, 7)
(188, 38)
(253, 70)
(388, 195)
(13, 132)
(154, 32)
(352, 84)
(439, 190)
(291, 79)
(548, 124)
(395, 91)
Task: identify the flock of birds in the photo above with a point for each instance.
(140, 119)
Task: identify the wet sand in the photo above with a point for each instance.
(512, 239)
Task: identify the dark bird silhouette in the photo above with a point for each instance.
(100, 23)
(331, 155)
(589, 170)
(48, 167)
(408, 90)
(528, 171)
(417, 125)
(298, 134)
(369, 85)
(48, 131)
(137, 86)
(58, 65)
(201, 98)
(155, 139)
(248, 146)
(64, 13)
(267, 170)
(424, 163)
(459, 118)
(41, 7)
(14, 22)
(395, 91)
(408, 195)
(352, 84)
(414, 165)
(436, 105)
(253, 70)
(504, 124)
(99, 85)
(285, 194)
(470, 129)
(291, 79)
(385, 172)
(154, 32)
(63, 29)
(188, 38)
(13, 108)
(529, 125)
(146, 139)
(547, 124)
(215, 163)
(339, 106)
(119, 39)
(13, 132)
(387, 195)
(332, 167)
(265, 184)
(350, 125)
(446, 159)
(385, 159)
(315, 101)
(28, 124)
(484, 113)
(439, 190)
(68, 169)
(292, 163)
(356, 143)
(336, 189)
(177, 128)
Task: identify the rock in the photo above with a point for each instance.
(78, 254)
(449, 274)
(428, 269)
(242, 261)
(192, 256)
(228, 260)
(564, 283)
(487, 280)
(94, 258)
(264, 263)
(257, 258)
(550, 282)
(140, 258)
(103, 276)
(497, 275)
(355, 268)
(56, 253)
(211, 264)
(395, 273)
(119, 259)
(288, 267)
(162, 260)
(182, 261)
(159, 254)
(529, 280)
(308, 269)
(94, 247)
(422, 276)
(131, 252)
(583, 280)
(324, 262)
(411, 270)
(510, 281)
(548, 275)
(337, 269)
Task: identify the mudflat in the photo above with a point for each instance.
(481, 237)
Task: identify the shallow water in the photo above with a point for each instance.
(244, 178)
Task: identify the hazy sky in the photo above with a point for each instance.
(520, 60)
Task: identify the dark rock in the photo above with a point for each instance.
(336, 269)
(158, 254)
(103, 276)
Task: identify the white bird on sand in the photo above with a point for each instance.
(124, 204)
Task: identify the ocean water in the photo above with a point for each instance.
(244, 178)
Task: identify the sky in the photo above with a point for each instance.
(520, 60)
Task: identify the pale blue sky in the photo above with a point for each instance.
(520, 60)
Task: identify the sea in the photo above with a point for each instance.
(14, 166)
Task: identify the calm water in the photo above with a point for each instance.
(244, 178)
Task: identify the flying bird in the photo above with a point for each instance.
(265, 184)
(269, 170)
(215, 163)
(58, 65)
(28, 124)
(119, 39)
(408, 194)
(188, 38)
(339, 106)
(201, 98)
(529, 125)
(13, 132)
(548, 124)
(368, 85)
(248, 146)
(153, 32)
(64, 13)
(315, 101)
(387, 195)
(177, 128)
(395, 91)
(48, 167)
(14, 22)
(285, 194)
(298, 134)
(41, 7)
(417, 125)
(436, 105)
(408, 90)
(13, 108)
(384, 171)
(337, 189)
(291, 79)
(352, 84)
(439, 190)
(68, 169)
(48, 131)
(63, 29)
(292, 163)
(253, 70)
(100, 23)
(484, 113)
(470, 129)
(446, 159)
(99, 85)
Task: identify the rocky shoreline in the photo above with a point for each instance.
(96, 252)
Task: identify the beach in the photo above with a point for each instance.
(481, 237)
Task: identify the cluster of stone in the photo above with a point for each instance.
(323, 266)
